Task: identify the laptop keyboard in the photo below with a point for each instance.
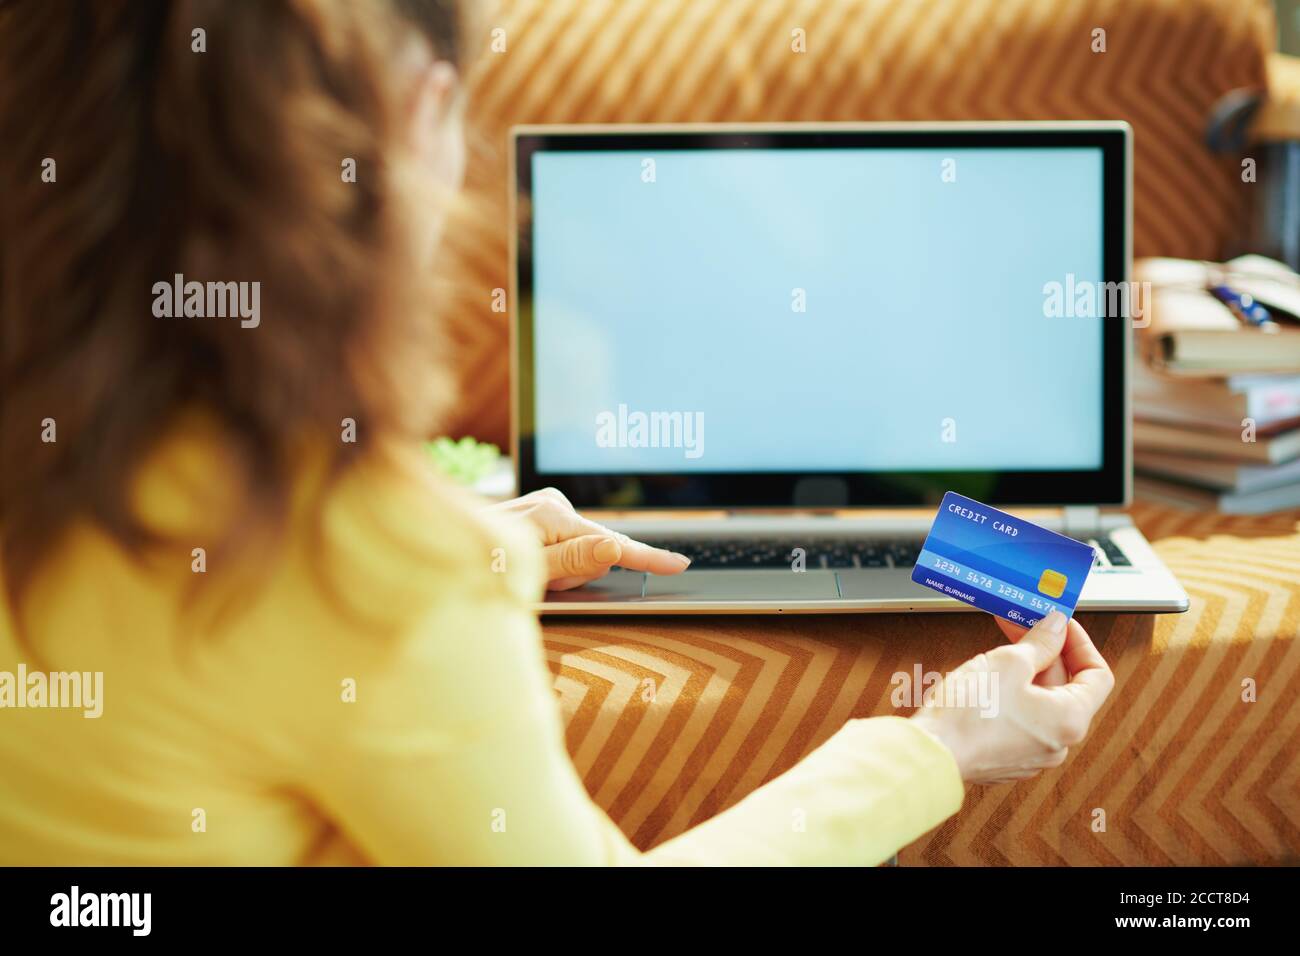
(828, 552)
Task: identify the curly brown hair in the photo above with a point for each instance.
(129, 157)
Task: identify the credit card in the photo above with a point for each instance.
(1000, 563)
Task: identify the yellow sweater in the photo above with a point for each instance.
(379, 695)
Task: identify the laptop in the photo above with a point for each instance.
(774, 348)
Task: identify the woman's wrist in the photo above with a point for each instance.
(941, 733)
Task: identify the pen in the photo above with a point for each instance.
(1245, 308)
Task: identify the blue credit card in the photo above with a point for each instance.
(1000, 563)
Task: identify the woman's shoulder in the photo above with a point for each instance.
(374, 543)
(392, 538)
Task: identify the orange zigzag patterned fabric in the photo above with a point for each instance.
(672, 720)
(660, 61)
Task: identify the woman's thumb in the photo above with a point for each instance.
(1045, 640)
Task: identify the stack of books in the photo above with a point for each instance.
(1216, 399)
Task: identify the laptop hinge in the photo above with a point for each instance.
(1082, 521)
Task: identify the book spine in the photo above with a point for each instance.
(1270, 403)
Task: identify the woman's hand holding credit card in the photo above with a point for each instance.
(1030, 725)
(1052, 683)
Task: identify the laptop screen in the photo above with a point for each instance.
(887, 309)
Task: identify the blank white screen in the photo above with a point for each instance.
(923, 344)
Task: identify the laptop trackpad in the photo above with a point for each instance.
(617, 586)
(719, 585)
